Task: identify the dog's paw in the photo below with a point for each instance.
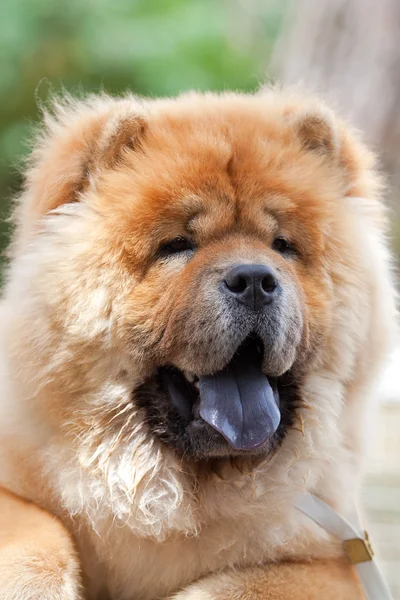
(329, 580)
(221, 586)
(38, 576)
(38, 559)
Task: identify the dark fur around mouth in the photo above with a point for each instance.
(182, 428)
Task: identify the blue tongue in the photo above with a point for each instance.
(240, 403)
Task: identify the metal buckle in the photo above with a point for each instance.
(359, 550)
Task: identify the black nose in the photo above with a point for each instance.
(252, 285)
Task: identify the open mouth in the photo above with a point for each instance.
(239, 402)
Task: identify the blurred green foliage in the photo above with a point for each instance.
(153, 47)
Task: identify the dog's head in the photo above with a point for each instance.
(206, 253)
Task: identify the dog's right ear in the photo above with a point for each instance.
(80, 140)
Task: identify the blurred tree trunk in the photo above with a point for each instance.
(349, 50)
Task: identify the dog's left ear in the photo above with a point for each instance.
(318, 133)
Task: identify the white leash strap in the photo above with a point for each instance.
(355, 542)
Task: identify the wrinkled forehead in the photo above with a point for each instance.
(205, 176)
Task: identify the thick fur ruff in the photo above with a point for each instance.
(84, 309)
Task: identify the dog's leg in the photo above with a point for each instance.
(37, 557)
(286, 581)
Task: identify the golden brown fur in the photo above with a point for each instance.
(37, 558)
(89, 311)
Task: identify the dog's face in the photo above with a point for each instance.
(226, 318)
(228, 273)
(214, 253)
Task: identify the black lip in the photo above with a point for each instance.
(253, 346)
(186, 394)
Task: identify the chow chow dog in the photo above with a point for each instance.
(197, 305)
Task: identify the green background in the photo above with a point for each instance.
(152, 47)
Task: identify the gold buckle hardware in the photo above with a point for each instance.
(359, 550)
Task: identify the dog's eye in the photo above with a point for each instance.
(283, 246)
(176, 246)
